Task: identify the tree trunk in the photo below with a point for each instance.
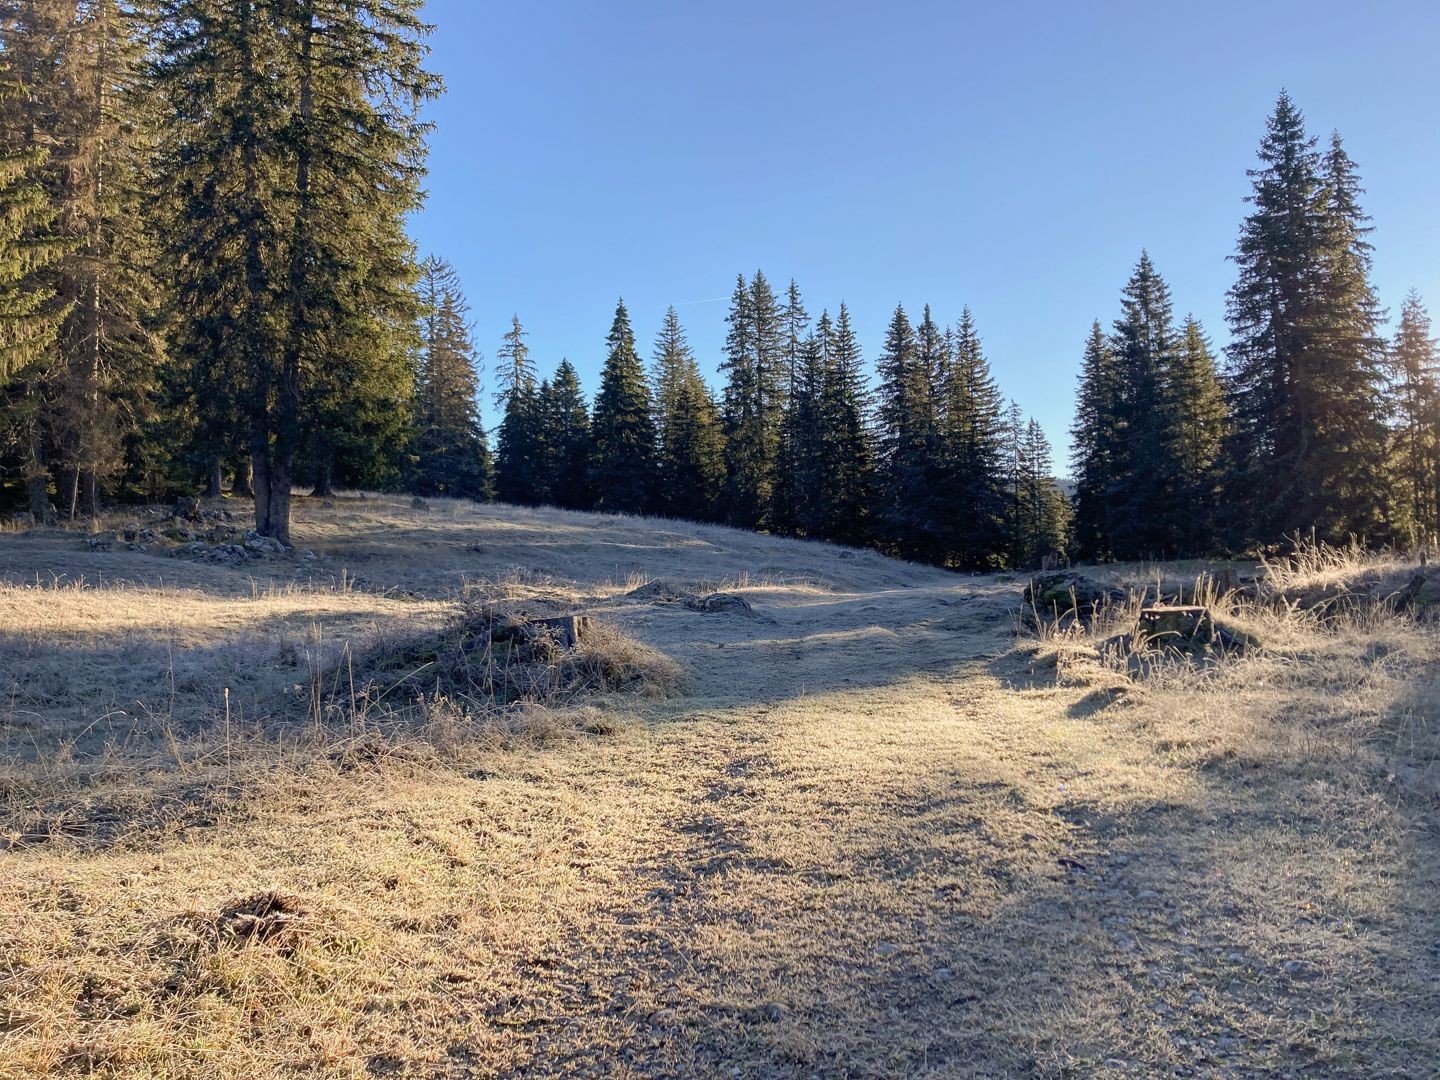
(74, 493)
(37, 480)
(324, 483)
(279, 503)
(243, 487)
(216, 485)
(92, 494)
(260, 464)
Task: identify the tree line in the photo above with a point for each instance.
(932, 465)
(206, 281)
(1315, 425)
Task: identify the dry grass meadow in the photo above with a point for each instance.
(867, 829)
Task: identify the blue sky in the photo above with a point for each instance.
(1014, 157)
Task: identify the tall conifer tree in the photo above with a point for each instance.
(907, 432)
(1415, 405)
(1304, 353)
(754, 365)
(690, 473)
(294, 152)
(972, 482)
(623, 426)
(450, 453)
(569, 447)
(520, 453)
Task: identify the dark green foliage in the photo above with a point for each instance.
(971, 484)
(1037, 519)
(799, 434)
(568, 446)
(907, 440)
(1144, 342)
(1198, 423)
(1097, 438)
(293, 153)
(690, 472)
(623, 426)
(1150, 421)
(754, 399)
(846, 488)
(449, 451)
(31, 239)
(520, 457)
(1305, 356)
(1415, 403)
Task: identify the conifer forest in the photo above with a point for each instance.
(206, 284)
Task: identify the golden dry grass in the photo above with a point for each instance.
(877, 835)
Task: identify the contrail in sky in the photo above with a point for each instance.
(712, 300)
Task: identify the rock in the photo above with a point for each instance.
(774, 1012)
(418, 503)
(187, 509)
(99, 543)
(1068, 597)
(720, 603)
(263, 545)
(885, 950)
(660, 591)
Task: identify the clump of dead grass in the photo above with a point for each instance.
(491, 657)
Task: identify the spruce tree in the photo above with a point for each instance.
(972, 480)
(33, 240)
(1097, 438)
(907, 431)
(623, 426)
(520, 453)
(449, 450)
(293, 152)
(847, 494)
(799, 486)
(1415, 406)
(754, 365)
(568, 443)
(790, 485)
(1038, 513)
(1197, 425)
(1144, 479)
(1304, 353)
(690, 469)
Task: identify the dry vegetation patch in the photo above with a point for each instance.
(876, 835)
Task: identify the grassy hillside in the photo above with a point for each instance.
(862, 829)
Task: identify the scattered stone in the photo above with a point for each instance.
(263, 545)
(886, 949)
(1295, 969)
(418, 503)
(187, 509)
(660, 591)
(721, 603)
(99, 543)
